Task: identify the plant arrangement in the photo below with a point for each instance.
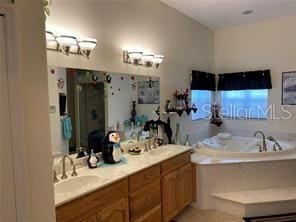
(47, 4)
(182, 103)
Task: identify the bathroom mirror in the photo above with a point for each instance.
(84, 105)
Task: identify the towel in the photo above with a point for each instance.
(67, 128)
(122, 161)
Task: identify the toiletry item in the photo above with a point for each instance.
(177, 135)
(187, 141)
(92, 160)
(80, 153)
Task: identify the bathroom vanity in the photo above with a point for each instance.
(153, 186)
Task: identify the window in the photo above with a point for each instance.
(202, 99)
(245, 104)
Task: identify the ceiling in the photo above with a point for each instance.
(218, 14)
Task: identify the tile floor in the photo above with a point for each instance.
(194, 215)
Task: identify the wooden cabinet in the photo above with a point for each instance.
(90, 204)
(170, 194)
(185, 185)
(145, 199)
(155, 194)
(177, 186)
(117, 211)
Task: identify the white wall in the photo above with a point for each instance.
(263, 45)
(58, 143)
(33, 70)
(152, 25)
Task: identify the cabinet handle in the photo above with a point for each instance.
(148, 198)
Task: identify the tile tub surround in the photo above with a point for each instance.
(241, 176)
(110, 174)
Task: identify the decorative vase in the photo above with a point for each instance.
(187, 141)
(177, 135)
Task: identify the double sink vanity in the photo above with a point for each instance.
(84, 105)
(153, 186)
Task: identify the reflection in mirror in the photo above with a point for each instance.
(85, 105)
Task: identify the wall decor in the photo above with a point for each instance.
(148, 94)
(61, 83)
(289, 88)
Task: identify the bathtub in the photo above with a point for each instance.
(241, 147)
(236, 165)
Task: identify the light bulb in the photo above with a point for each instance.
(148, 58)
(66, 42)
(135, 55)
(86, 46)
(158, 59)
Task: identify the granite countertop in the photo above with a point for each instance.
(109, 174)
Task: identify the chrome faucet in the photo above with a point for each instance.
(147, 145)
(270, 138)
(263, 140)
(63, 161)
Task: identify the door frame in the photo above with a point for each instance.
(16, 106)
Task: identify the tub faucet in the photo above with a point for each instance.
(263, 140)
(63, 161)
(270, 138)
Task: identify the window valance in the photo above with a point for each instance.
(260, 79)
(202, 81)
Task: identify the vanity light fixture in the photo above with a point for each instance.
(70, 44)
(87, 46)
(148, 59)
(66, 42)
(135, 56)
(138, 57)
(158, 59)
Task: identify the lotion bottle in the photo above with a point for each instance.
(92, 160)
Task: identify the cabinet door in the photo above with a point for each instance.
(92, 218)
(117, 211)
(185, 186)
(170, 202)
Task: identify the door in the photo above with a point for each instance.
(7, 192)
(117, 211)
(170, 200)
(185, 185)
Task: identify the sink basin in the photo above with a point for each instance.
(76, 183)
(160, 152)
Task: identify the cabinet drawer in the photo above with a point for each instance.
(175, 163)
(144, 178)
(152, 215)
(92, 203)
(145, 199)
(92, 218)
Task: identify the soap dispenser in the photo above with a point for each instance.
(92, 160)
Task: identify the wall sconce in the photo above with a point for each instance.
(137, 57)
(70, 44)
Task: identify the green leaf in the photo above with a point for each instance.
(47, 11)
